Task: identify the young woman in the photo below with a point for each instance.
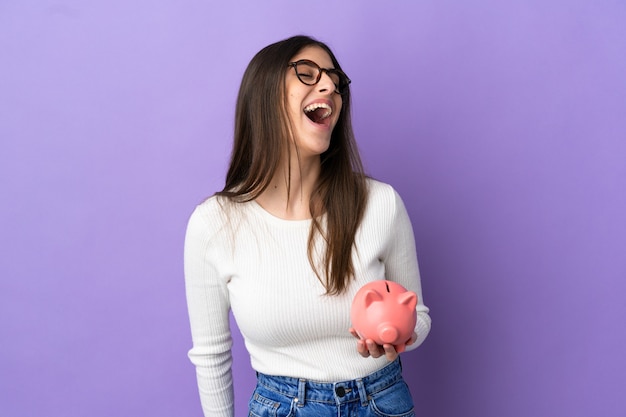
(294, 234)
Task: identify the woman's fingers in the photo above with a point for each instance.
(354, 333)
(375, 350)
(367, 347)
(390, 352)
(361, 347)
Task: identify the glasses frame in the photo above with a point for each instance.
(344, 81)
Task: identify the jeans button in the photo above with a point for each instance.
(340, 391)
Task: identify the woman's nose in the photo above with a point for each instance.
(326, 84)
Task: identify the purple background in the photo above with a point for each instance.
(502, 124)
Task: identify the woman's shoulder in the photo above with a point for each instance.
(212, 215)
(385, 208)
(381, 194)
(210, 208)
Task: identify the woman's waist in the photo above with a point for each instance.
(325, 361)
(345, 389)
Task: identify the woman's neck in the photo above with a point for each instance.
(288, 195)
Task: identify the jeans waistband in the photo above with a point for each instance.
(333, 392)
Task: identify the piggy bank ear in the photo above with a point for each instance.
(409, 299)
(372, 296)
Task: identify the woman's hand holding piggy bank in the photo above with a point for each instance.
(383, 319)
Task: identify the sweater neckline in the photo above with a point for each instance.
(277, 220)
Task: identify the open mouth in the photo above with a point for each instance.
(318, 112)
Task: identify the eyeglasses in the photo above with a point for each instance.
(310, 73)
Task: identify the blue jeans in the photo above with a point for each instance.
(381, 394)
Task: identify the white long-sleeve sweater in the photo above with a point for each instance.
(240, 257)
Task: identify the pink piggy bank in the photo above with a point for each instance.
(384, 311)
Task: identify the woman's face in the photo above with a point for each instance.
(312, 109)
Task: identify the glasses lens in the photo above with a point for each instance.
(307, 72)
(336, 79)
(339, 79)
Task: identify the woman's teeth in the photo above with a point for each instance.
(318, 111)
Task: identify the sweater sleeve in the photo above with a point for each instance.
(401, 265)
(208, 307)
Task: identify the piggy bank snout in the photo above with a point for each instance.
(388, 333)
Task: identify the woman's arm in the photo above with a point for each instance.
(208, 306)
(402, 267)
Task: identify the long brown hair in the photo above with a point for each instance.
(262, 136)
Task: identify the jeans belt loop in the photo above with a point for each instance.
(301, 392)
(362, 394)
